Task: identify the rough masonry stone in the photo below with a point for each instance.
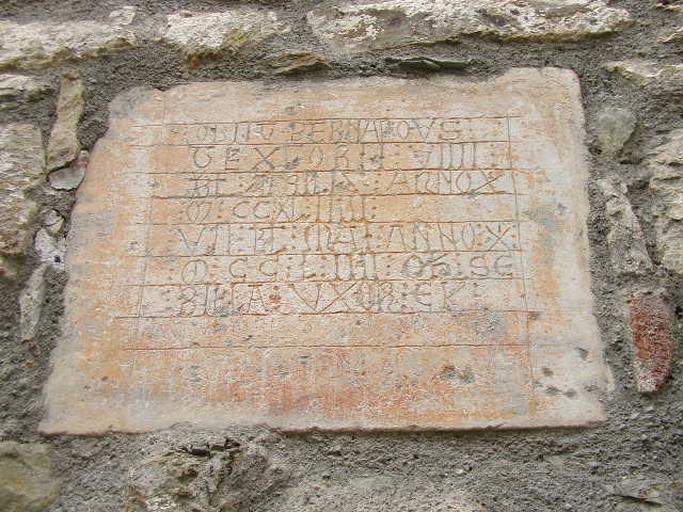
(627, 248)
(672, 36)
(201, 35)
(50, 246)
(53, 221)
(645, 492)
(41, 44)
(353, 254)
(290, 63)
(667, 184)
(214, 477)
(64, 147)
(392, 23)
(70, 177)
(670, 5)
(613, 128)
(18, 89)
(651, 322)
(659, 78)
(26, 480)
(31, 303)
(22, 169)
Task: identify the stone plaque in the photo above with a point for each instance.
(353, 254)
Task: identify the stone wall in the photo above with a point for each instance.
(62, 62)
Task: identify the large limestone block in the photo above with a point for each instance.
(357, 26)
(353, 254)
(22, 169)
(44, 43)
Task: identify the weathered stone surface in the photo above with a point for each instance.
(53, 222)
(220, 477)
(627, 249)
(651, 322)
(64, 147)
(665, 78)
(41, 44)
(22, 168)
(296, 62)
(31, 303)
(17, 89)
(667, 183)
(201, 35)
(613, 128)
(50, 248)
(69, 178)
(356, 254)
(394, 23)
(26, 483)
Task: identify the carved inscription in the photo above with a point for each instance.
(307, 266)
(301, 217)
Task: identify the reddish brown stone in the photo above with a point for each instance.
(651, 323)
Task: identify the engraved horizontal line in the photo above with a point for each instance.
(419, 194)
(348, 143)
(365, 253)
(368, 346)
(353, 223)
(335, 281)
(362, 223)
(317, 313)
(167, 123)
(231, 171)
